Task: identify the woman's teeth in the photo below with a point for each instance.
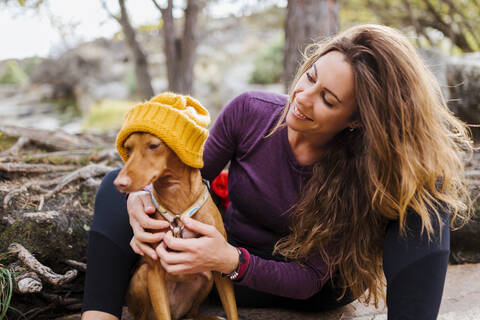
(299, 114)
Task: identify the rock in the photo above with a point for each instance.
(86, 74)
(465, 242)
(463, 79)
(436, 62)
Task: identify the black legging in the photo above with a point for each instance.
(110, 263)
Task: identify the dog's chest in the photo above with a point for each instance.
(182, 295)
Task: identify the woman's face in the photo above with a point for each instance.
(323, 99)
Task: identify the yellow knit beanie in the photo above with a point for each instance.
(180, 121)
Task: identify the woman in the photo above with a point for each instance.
(356, 175)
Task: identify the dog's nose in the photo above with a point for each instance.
(122, 182)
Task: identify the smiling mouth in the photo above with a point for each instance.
(300, 115)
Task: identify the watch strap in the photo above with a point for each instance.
(243, 263)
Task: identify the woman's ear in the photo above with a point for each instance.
(355, 124)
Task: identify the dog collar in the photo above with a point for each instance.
(175, 220)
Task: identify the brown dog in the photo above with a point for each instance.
(154, 294)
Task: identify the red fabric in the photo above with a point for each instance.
(220, 187)
(244, 263)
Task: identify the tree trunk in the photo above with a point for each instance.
(144, 88)
(307, 21)
(189, 44)
(180, 51)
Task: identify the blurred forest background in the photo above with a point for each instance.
(60, 110)
(189, 47)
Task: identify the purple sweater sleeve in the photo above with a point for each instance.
(289, 279)
(220, 145)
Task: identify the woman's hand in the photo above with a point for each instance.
(208, 252)
(139, 206)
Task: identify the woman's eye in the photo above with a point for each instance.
(326, 101)
(153, 146)
(309, 77)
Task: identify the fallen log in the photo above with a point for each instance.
(55, 140)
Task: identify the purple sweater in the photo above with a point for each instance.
(263, 184)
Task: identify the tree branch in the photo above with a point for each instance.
(446, 28)
(464, 21)
(43, 271)
(85, 173)
(104, 6)
(77, 265)
(456, 38)
(413, 20)
(15, 149)
(33, 168)
(158, 6)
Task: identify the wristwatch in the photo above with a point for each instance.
(243, 262)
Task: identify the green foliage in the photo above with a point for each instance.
(32, 3)
(107, 115)
(30, 65)
(151, 28)
(270, 18)
(432, 21)
(13, 74)
(7, 282)
(353, 12)
(6, 142)
(67, 107)
(269, 63)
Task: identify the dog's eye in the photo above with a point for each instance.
(153, 146)
(128, 149)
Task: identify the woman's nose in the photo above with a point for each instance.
(305, 98)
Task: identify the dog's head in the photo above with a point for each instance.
(149, 159)
(157, 134)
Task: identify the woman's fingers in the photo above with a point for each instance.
(139, 199)
(134, 247)
(147, 202)
(179, 244)
(172, 257)
(150, 223)
(197, 254)
(174, 262)
(139, 205)
(199, 227)
(143, 249)
(176, 268)
(144, 236)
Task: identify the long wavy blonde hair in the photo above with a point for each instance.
(408, 154)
